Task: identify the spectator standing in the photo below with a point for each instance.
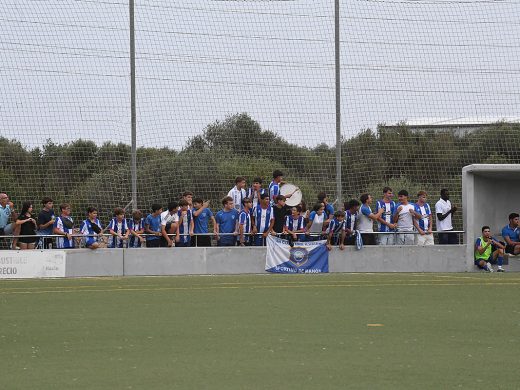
(188, 197)
(238, 192)
(7, 218)
(64, 226)
(185, 225)
(136, 228)
(255, 191)
(281, 211)
(153, 227)
(245, 227)
(489, 250)
(118, 229)
(511, 235)
(263, 220)
(404, 219)
(366, 220)
(169, 223)
(351, 216)
(227, 220)
(423, 223)
(329, 209)
(202, 214)
(91, 229)
(46, 222)
(274, 186)
(385, 220)
(27, 225)
(443, 211)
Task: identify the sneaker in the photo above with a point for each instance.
(489, 267)
(500, 269)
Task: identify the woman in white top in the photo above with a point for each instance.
(317, 222)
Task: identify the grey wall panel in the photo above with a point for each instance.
(100, 262)
(399, 259)
(165, 261)
(235, 260)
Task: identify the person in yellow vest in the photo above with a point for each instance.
(489, 250)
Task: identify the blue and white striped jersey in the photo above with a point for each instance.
(387, 215)
(263, 218)
(274, 191)
(137, 226)
(86, 229)
(425, 211)
(64, 242)
(253, 195)
(117, 227)
(244, 219)
(294, 224)
(350, 220)
(184, 226)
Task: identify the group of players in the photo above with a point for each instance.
(247, 217)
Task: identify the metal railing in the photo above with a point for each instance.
(80, 239)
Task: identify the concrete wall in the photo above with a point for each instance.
(86, 262)
(490, 192)
(201, 261)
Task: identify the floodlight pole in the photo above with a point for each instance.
(133, 163)
(338, 106)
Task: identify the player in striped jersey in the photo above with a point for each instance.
(336, 231)
(423, 220)
(351, 215)
(294, 226)
(91, 229)
(255, 191)
(384, 221)
(118, 229)
(263, 220)
(184, 225)
(136, 228)
(245, 227)
(64, 226)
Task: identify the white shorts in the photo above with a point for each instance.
(386, 239)
(405, 239)
(424, 240)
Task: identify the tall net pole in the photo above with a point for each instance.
(338, 103)
(133, 163)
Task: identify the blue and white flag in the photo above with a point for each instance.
(303, 258)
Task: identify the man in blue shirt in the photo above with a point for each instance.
(7, 214)
(329, 209)
(511, 235)
(152, 227)
(202, 214)
(227, 220)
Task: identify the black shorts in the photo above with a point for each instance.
(153, 243)
(201, 241)
(28, 240)
(510, 249)
(350, 240)
(368, 239)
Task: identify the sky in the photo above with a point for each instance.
(64, 66)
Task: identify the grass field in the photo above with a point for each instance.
(335, 331)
